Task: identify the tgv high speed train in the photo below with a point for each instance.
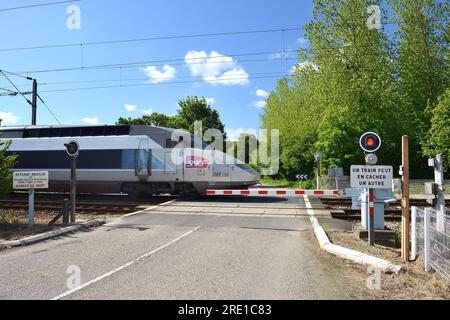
(137, 160)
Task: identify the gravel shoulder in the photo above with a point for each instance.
(413, 284)
(14, 223)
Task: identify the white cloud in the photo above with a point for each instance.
(259, 104)
(307, 65)
(276, 55)
(90, 121)
(234, 134)
(147, 111)
(211, 101)
(156, 76)
(262, 93)
(215, 68)
(8, 118)
(302, 42)
(130, 107)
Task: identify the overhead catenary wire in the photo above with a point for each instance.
(312, 72)
(283, 56)
(147, 39)
(16, 74)
(10, 91)
(49, 110)
(166, 83)
(161, 62)
(45, 4)
(18, 90)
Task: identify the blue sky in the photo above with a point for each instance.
(214, 67)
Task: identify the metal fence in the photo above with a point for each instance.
(431, 239)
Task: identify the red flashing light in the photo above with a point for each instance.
(370, 141)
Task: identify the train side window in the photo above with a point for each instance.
(128, 159)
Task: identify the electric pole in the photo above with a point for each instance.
(34, 103)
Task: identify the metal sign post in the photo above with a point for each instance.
(439, 180)
(73, 189)
(438, 190)
(405, 200)
(73, 150)
(31, 208)
(318, 156)
(371, 177)
(30, 180)
(371, 218)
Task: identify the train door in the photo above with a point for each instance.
(173, 167)
(143, 160)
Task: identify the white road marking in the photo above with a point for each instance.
(87, 284)
(149, 209)
(309, 209)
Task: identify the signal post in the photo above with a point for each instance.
(370, 177)
(73, 150)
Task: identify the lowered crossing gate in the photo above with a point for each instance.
(272, 192)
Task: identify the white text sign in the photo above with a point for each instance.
(25, 180)
(371, 177)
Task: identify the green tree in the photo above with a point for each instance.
(422, 40)
(194, 109)
(356, 87)
(438, 140)
(154, 119)
(190, 110)
(7, 162)
(342, 86)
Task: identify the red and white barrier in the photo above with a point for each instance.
(272, 192)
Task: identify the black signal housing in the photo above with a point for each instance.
(370, 142)
(72, 148)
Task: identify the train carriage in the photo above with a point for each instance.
(137, 160)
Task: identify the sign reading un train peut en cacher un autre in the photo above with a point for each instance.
(371, 177)
(25, 180)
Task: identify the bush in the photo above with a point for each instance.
(7, 162)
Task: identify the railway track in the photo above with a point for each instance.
(355, 215)
(86, 204)
(348, 201)
(82, 208)
(344, 211)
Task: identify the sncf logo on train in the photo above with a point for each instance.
(193, 162)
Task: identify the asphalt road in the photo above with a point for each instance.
(229, 248)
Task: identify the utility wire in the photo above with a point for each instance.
(12, 83)
(167, 61)
(38, 5)
(16, 74)
(199, 35)
(10, 91)
(165, 83)
(49, 110)
(199, 78)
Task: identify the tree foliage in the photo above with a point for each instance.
(422, 66)
(190, 110)
(354, 79)
(7, 162)
(438, 139)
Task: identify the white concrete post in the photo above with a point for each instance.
(31, 208)
(427, 239)
(413, 233)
